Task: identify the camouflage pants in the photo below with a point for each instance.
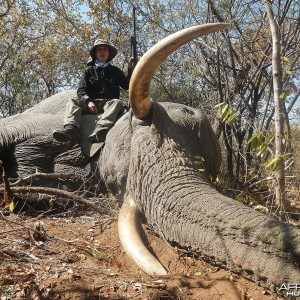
(111, 109)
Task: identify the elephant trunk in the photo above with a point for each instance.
(188, 212)
(151, 60)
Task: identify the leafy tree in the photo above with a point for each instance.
(45, 50)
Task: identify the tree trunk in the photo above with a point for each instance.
(279, 109)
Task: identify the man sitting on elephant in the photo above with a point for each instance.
(98, 92)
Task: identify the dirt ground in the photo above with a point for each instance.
(79, 256)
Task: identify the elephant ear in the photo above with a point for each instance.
(210, 147)
(160, 119)
(184, 126)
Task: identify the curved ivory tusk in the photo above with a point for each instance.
(150, 61)
(128, 227)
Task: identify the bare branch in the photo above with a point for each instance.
(38, 175)
(9, 4)
(65, 196)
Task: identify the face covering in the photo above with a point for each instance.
(101, 65)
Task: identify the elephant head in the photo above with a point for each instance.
(149, 159)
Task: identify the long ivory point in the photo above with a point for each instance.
(129, 233)
(143, 73)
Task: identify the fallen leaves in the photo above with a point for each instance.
(18, 279)
(71, 265)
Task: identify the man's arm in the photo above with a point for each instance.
(124, 80)
(82, 90)
(83, 95)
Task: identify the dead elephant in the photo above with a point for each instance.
(149, 160)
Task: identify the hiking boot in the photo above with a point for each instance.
(70, 133)
(99, 134)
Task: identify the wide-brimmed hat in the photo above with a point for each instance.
(112, 49)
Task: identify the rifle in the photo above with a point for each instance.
(133, 41)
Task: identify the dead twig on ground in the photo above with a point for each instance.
(38, 175)
(21, 226)
(13, 188)
(64, 195)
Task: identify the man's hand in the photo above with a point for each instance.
(130, 62)
(92, 108)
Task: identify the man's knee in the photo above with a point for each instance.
(77, 102)
(113, 106)
(115, 102)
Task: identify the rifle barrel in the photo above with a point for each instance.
(133, 40)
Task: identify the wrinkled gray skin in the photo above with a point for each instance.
(155, 160)
(27, 147)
